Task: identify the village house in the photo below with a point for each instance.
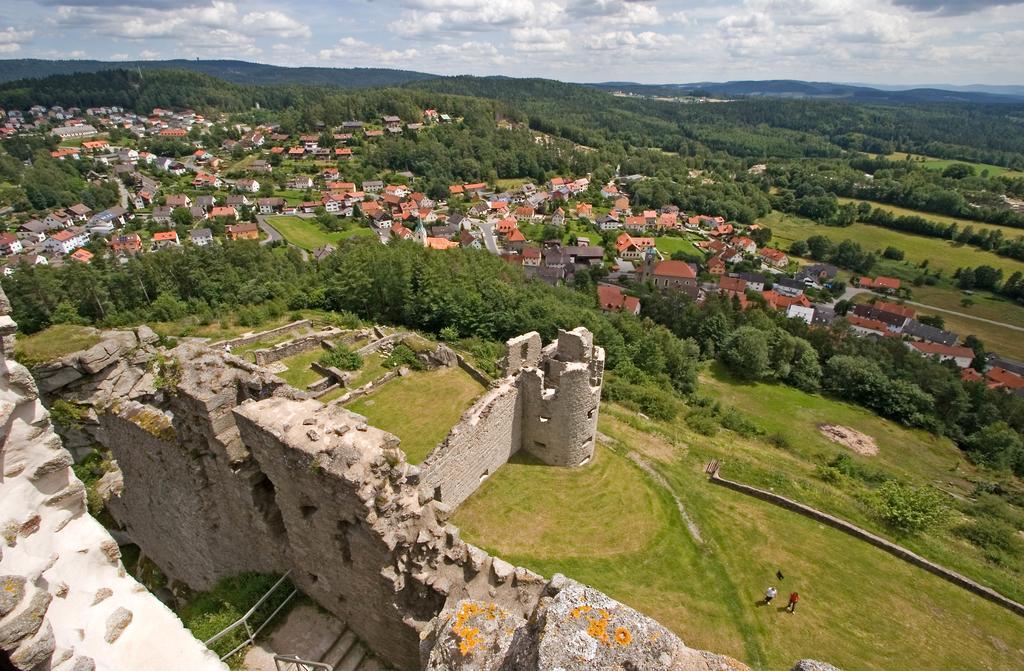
(881, 284)
(32, 230)
(178, 200)
(81, 255)
(9, 244)
(632, 248)
(58, 219)
(961, 356)
(270, 205)
(226, 212)
(66, 241)
(201, 237)
(161, 214)
(126, 245)
(774, 258)
(242, 232)
(247, 185)
(79, 212)
(162, 239)
(612, 299)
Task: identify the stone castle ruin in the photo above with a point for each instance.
(223, 468)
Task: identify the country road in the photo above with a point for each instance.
(273, 235)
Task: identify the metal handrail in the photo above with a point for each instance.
(244, 620)
(294, 663)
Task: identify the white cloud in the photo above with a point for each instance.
(12, 39)
(277, 23)
(540, 40)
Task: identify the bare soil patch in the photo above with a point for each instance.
(860, 443)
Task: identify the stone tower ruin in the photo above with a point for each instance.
(561, 392)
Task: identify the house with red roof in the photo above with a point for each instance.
(81, 255)
(612, 299)
(242, 232)
(774, 258)
(163, 239)
(224, 211)
(632, 248)
(672, 274)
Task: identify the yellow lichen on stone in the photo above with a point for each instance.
(622, 636)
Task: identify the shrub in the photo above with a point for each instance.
(66, 414)
(992, 535)
(734, 420)
(780, 440)
(908, 509)
(403, 355)
(703, 422)
(342, 358)
(449, 333)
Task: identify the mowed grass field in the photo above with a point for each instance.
(943, 163)
(669, 245)
(420, 408)
(308, 235)
(609, 525)
(1008, 231)
(940, 254)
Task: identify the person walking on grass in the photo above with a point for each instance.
(769, 594)
(793, 598)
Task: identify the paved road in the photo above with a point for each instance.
(272, 233)
(123, 192)
(488, 230)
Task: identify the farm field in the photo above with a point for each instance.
(420, 408)
(943, 163)
(860, 608)
(308, 235)
(1008, 231)
(940, 254)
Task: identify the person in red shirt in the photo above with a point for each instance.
(793, 598)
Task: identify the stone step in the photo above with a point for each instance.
(352, 659)
(336, 653)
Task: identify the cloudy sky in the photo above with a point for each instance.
(651, 41)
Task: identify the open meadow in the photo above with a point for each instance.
(613, 526)
(933, 163)
(307, 233)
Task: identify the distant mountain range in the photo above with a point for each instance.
(239, 72)
(789, 88)
(244, 72)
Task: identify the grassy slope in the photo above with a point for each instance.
(307, 234)
(420, 408)
(53, 342)
(1008, 231)
(861, 608)
(940, 254)
(669, 245)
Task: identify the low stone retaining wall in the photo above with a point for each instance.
(293, 347)
(879, 542)
(366, 388)
(473, 371)
(254, 337)
(377, 344)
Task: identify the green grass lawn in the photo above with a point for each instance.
(299, 374)
(372, 368)
(610, 526)
(308, 235)
(942, 163)
(668, 245)
(420, 408)
(1008, 231)
(940, 254)
(52, 343)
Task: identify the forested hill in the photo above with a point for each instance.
(788, 88)
(755, 129)
(238, 72)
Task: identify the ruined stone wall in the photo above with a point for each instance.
(66, 602)
(487, 435)
(293, 347)
(359, 540)
(263, 335)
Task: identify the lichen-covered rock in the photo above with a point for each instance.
(114, 345)
(813, 665)
(472, 635)
(35, 651)
(12, 590)
(117, 622)
(21, 625)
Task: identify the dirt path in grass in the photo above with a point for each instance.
(660, 480)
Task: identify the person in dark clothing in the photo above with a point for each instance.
(793, 598)
(778, 574)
